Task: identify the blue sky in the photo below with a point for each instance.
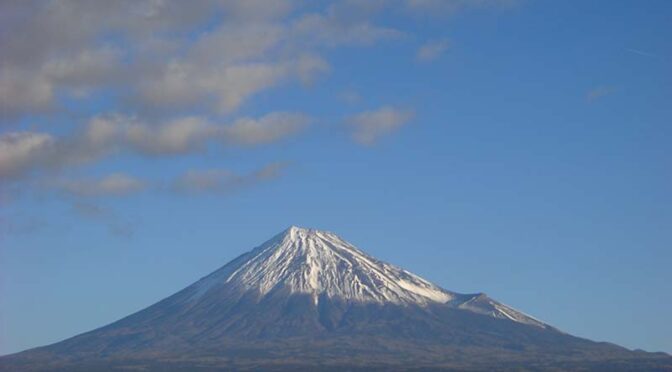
(516, 148)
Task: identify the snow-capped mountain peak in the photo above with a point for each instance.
(308, 295)
(317, 262)
(320, 263)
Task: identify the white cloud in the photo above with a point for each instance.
(179, 136)
(162, 55)
(226, 87)
(169, 59)
(87, 67)
(235, 84)
(369, 126)
(226, 80)
(240, 41)
(21, 151)
(21, 91)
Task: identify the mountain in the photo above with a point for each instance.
(307, 299)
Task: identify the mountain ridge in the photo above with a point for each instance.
(307, 298)
(307, 261)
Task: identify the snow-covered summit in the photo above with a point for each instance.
(319, 263)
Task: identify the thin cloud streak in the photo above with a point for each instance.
(431, 50)
(369, 126)
(116, 184)
(599, 92)
(640, 52)
(221, 181)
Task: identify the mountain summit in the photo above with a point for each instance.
(307, 299)
(320, 263)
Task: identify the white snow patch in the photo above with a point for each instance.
(321, 263)
(316, 262)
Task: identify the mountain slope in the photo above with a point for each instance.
(307, 298)
(318, 263)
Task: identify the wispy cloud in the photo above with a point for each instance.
(599, 92)
(116, 184)
(221, 181)
(369, 126)
(350, 96)
(115, 224)
(21, 151)
(267, 129)
(431, 50)
(447, 7)
(640, 52)
(87, 196)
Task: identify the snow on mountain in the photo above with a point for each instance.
(317, 263)
(308, 300)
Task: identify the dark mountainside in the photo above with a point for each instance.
(307, 299)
